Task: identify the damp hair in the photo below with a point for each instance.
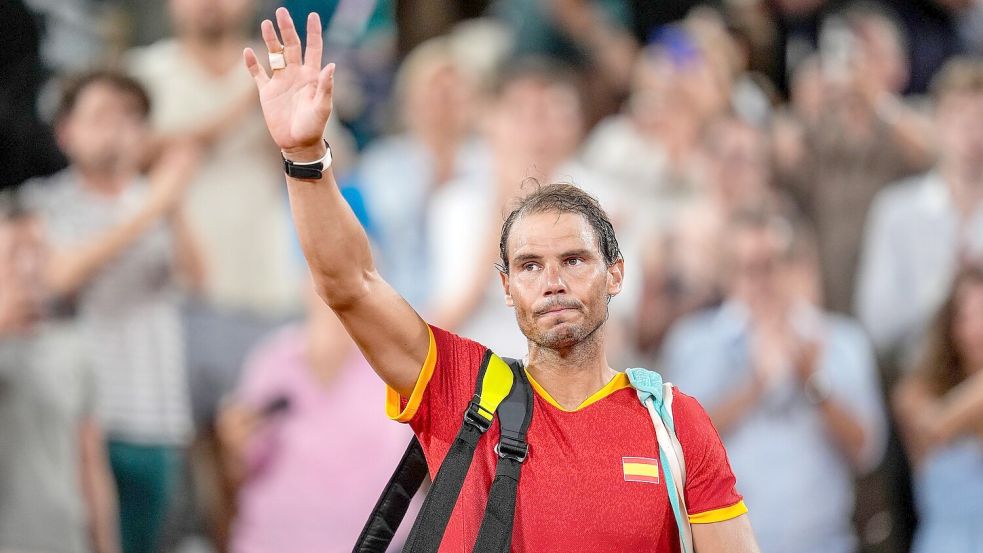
(562, 198)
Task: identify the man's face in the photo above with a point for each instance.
(210, 19)
(558, 281)
(537, 122)
(739, 168)
(757, 267)
(438, 102)
(884, 58)
(958, 118)
(104, 130)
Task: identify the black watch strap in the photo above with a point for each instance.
(312, 170)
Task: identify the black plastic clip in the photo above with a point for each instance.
(511, 448)
(473, 415)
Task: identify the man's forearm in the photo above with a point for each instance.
(70, 269)
(187, 252)
(726, 415)
(846, 432)
(334, 243)
(962, 409)
(99, 490)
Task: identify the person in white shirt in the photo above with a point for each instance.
(920, 230)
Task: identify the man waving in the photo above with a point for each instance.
(592, 481)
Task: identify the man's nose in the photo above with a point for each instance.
(554, 281)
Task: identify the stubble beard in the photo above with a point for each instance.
(564, 338)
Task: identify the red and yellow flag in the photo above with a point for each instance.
(640, 469)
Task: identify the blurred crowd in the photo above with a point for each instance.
(797, 187)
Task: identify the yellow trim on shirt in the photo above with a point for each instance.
(413, 403)
(719, 515)
(620, 381)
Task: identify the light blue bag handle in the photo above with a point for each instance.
(650, 388)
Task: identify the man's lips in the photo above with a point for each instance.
(556, 309)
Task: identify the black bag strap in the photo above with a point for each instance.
(431, 523)
(428, 530)
(514, 416)
(395, 501)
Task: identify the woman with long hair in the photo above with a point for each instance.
(940, 411)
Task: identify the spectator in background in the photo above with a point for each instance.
(792, 389)
(940, 409)
(651, 147)
(592, 36)
(56, 490)
(236, 205)
(119, 245)
(866, 138)
(200, 92)
(534, 126)
(400, 174)
(307, 476)
(682, 266)
(919, 230)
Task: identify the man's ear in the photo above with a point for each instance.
(505, 287)
(616, 277)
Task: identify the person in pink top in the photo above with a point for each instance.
(305, 439)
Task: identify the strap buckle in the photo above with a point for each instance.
(511, 448)
(474, 417)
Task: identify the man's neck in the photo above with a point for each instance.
(218, 54)
(104, 183)
(572, 375)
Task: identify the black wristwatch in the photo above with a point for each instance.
(311, 170)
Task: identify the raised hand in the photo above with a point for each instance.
(296, 99)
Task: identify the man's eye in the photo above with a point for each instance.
(530, 266)
(574, 261)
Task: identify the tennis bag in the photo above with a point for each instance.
(502, 389)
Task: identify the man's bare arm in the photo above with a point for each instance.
(729, 536)
(99, 489)
(296, 103)
(69, 269)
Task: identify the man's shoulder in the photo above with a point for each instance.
(846, 335)
(155, 56)
(453, 347)
(699, 325)
(41, 193)
(905, 197)
(687, 410)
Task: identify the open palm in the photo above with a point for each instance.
(296, 100)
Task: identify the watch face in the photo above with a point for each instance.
(303, 171)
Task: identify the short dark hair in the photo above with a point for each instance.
(959, 75)
(857, 13)
(74, 86)
(558, 198)
(538, 69)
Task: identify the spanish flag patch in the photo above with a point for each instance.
(640, 469)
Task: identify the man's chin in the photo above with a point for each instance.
(562, 335)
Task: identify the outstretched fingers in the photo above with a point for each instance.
(291, 42)
(325, 90)
(255, 69)
(269, 36)
(312, 57)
